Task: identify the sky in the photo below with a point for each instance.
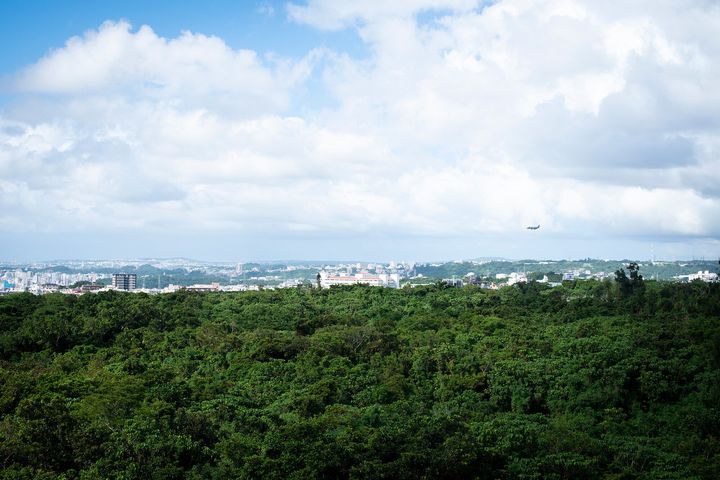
(334, 129)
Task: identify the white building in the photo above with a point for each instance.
(705, 276)
(376, 280)
(516, 277)
(199, 287)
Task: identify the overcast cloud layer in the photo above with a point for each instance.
(597, 120)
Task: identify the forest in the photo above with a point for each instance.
(616, 379)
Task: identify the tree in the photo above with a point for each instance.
(635, 276)
(632, 284)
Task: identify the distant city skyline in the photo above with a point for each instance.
(334, 129)
(155, 275)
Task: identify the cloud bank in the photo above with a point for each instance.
(596, 120)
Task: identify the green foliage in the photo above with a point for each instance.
(588, 380)
(629, 285)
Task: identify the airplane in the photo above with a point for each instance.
(534, 228)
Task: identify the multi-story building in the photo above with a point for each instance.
(213, 287)
(378, 280)
(453, 282)
(705, 276)
(124, 281)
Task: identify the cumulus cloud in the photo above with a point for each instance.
(192, 68)
(467, 118)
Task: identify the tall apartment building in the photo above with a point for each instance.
(124, 281)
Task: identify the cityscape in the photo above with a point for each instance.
(169, 275)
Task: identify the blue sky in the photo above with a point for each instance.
(416, 129)
(33, 27)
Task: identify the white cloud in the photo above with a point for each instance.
(191, 68)
(332, 15)
(465, 119)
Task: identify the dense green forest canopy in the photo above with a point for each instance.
(592, 379)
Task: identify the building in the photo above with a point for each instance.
(124, 281)
(378, 280)
(704, 276)
(213, 287)
(91, 287)
(516, 277)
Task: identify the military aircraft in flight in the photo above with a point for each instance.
(533, 228)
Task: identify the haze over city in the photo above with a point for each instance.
(330, 129)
